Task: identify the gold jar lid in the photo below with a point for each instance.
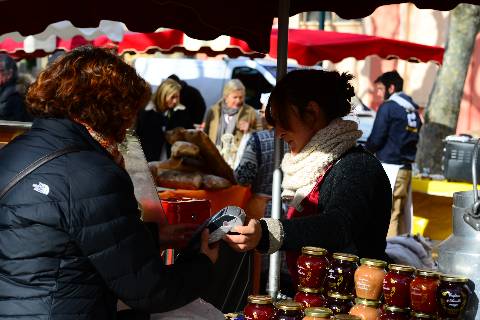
(345, 257)
(346, 317)
(368, 303)
(427, 273)
(318, 312)
(260, 299)
(395, 309)
(373, 262)
(399, 267)
(314, 251)
(337, 295)
(453, 278)
(289, 305)
(309, 290)
(422, 315)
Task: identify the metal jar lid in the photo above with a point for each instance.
(346, 317)
(427, 273)
(422, 315)
(314, 251)
(318, 312)
(453, 278)
(402, 268)
(367, 302)
(289, 305)
(395, 309)
(373, 262)
(309, 290)
(345, 257)
(339, 296)
(260, 299)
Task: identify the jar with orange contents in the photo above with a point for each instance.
(423, 290)
(369, 278)
(312, 267)
(396, 285)
(259, 307)
(317, 314)
(310, 297)
(366, 309)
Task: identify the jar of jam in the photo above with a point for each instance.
(396, 285)
(288, 310)
(310, 297)
(340, 274)
(339, 303)
(369, 278)
(452, 296)
(421, 316)
(259, 307)
(423, 291)
(394, 313)
(366, 309)
(317, 314)
(312, 267)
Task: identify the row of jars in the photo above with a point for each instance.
(403, 287)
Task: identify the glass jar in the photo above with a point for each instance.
(423, 291)
(317, 314)
(369, 278)
(312, 267)
(310, 297)
(452, 296)
(288, 310)
(421, 316)
(394, 313)
(366, 309)
(259, 307)
(340, 274)
(339, 303)
(396, 285)
(346, 317)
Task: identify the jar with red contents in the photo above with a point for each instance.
(339, 303)
(394, 313)
(452, 296)
(396, 285)
(421, 316)
(312, 267)
(259, 307)
(288, 310)
(423, 292)
(310, 297)
(340, 274)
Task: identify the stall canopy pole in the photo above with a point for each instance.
(282, 47)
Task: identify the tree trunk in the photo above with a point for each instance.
(444, 104)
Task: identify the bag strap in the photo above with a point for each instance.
(36, 164)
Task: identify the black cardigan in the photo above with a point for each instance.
(354, 206)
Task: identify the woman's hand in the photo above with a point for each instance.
(243, 126)
(248, 238)
(211, 251)
(175, 235)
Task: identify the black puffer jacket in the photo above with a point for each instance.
(71, 241)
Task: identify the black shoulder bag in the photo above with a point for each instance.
(35, 165)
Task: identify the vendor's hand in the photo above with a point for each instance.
(210, 250)
(248, 238)
(175, 235)
(243, 126)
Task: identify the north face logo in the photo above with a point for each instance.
(42, 188)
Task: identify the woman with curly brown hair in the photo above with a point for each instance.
(72, 241)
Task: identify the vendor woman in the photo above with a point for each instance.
(339, 195)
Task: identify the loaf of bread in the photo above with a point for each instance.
(211, 182)
(175, 179)
(181, 164)
(185, 149)
(216, 165)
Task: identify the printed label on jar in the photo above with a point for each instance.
(363, 283)
(452, 301)
(334, 281)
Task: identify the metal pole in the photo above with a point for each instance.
(282, 47)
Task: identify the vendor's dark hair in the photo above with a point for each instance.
(92, 85)
(331, 90)
(389, 78)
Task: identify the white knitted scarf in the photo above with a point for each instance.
(302, 170)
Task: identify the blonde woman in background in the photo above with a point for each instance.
(230, 115)
(167, 113)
